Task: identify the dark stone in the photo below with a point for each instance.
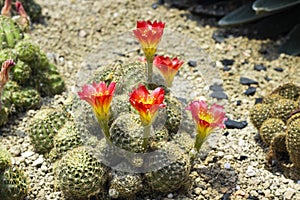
(192, 63)
(219, 38)
(258, 100)
(227, 62)
(161, 2)
(226, 68)
(216, 87)
(247, 81)
(226, 196)
(250, 91)
(242, 157)
(218, 95)
(260, 68)
(231, 124)
(278, 69)
(119, 54)
(226, 133)
(267, 78)
(154, 6)
(238, 102)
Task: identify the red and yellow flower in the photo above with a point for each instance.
(149, 35)
(4, 75)
(147, 104)
(168, 67)
(99, 96)
(206, 119)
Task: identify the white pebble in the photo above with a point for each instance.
(227, 165)
(170, 196)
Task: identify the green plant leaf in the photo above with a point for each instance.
(292, 45)
(272, 5)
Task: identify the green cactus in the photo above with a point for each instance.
(21, 98)
(119, 104)
(173, 110)
(10, 33)
(68, 137)
(270, 128)
(44, 126)
(126, 132)
(5, 159)
(4, 113)
(14, 184)
(283, 108)
(79, 175)
(27, 51)
(293, 142)
(277, 150)
(259, 113)
(272, 98)
(288, 91)
(293, 117)
(171, 169)
(125, 185)
(21, 72)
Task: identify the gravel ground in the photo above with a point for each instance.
(232, 164)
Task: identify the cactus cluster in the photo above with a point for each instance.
(278, 122)
(14, 183)
(32, 77)
(163, 165)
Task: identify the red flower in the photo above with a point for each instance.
(206, 119)
(168, 67)
(149, 34)
(147, 104)
(99, 97)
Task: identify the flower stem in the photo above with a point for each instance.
(105, 128)
(147, 130)
(149, 71)
(199, 141)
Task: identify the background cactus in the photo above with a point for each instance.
(79, 175)
(44, 126)
(281, 127)
(10, 33)
(14, 184)
(5, 159)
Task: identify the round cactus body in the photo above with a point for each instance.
(288, 91)
(79, 175)
(5, 159)
(14, 184)
(270, 128)
(293, 142)
(44, 126)
(126, 132)
(283, 108)
(21, 72)
(291, 171)
(21, 98)
(259, 113)
(125, 185)
(27, 51)
(120, 104)
(272, 98)
(278, 150)
(171, 169)
(68, 137)
(173, 110)
(293, 117)
(10, 33)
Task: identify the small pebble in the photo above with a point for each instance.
(231, 124)
(27, 154)
(267, 78)
(15, 151)
(258, 100)
(38, 162)
(289, 193)
(227, 165)
(227, 62)
(226, 68)
(278, 69)
(161, 2)
(218, 37)
(242, 157)
(247, 81)
(170, 196)
(192, 63)
(250, 171)
(218, 95)
(250, 91)
(260, 68)
(154, 6)
(238, 102)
